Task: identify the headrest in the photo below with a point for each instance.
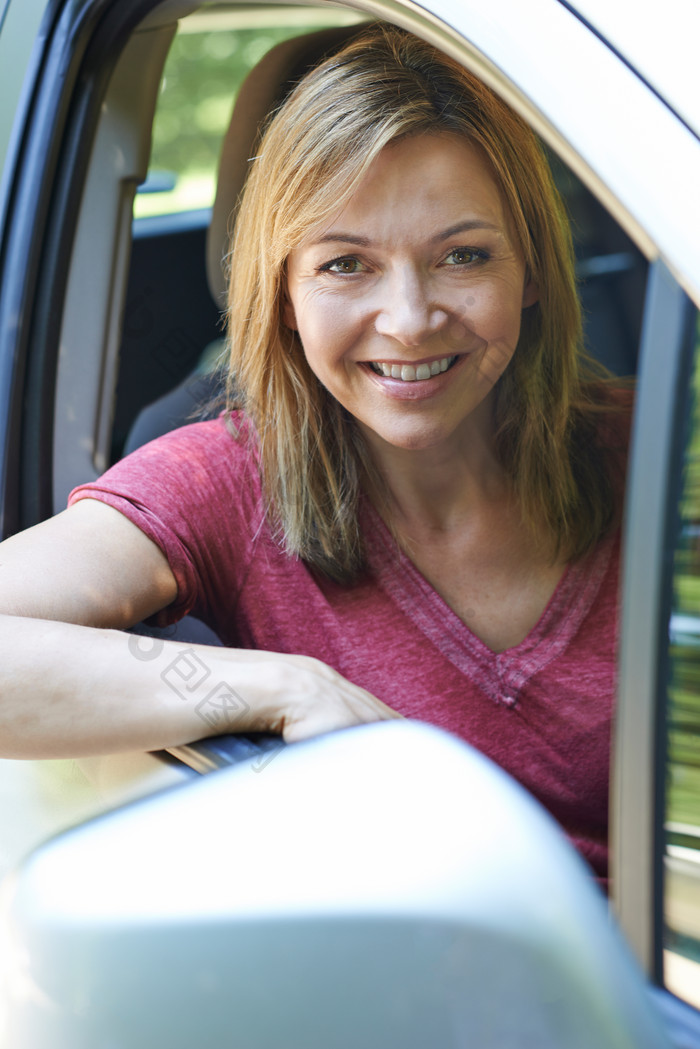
(265, 87)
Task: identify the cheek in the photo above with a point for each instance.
(326, 330)
(491, 311)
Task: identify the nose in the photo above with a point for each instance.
(407, 312)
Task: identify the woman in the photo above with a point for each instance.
(410, 509)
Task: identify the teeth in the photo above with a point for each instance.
(409, 373)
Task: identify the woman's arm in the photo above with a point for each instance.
(87, 565)
(71, 683)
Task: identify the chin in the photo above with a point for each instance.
(413, 439)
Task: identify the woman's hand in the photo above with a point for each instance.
(298, 697)
(326, 701)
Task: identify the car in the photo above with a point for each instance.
(110, 313)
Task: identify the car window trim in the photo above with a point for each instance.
(81, 45)
(653, 489)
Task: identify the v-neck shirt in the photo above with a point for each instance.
(501, 675)
(541, 709)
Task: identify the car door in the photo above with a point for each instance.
(79, 148)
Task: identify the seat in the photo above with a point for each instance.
(263, 90)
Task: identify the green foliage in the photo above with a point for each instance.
(202, 75)
(683, 800)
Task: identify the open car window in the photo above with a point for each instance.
(209, 58)
(681, 906)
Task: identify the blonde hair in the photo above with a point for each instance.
(317, 147)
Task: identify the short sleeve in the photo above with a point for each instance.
(195, 492)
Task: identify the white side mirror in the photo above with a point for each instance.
(381, 888)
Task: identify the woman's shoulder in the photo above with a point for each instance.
(614, 436)
(615, 407)
(228, 430)
(604, 413)
(612, 395)
(614, 429)
(190, 466)
(226, 442)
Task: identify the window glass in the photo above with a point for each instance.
(210, 57)
(682, 853)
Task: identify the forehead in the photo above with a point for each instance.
(421, 179)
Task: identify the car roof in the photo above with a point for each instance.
(659, 41)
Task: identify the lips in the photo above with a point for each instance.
(412, 372)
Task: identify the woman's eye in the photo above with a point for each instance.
(346, 265)
(464, 256)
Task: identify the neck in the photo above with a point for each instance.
(437, 488)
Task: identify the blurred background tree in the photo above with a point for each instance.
(208, 61)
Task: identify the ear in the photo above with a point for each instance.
(288, 315)
(531, 292)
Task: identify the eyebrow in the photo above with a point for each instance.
(337, 237)
(341, 237)
(467, 227)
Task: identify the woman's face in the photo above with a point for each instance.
(408, 303)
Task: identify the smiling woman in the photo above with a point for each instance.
(412, 328)
(410, 506)
(426, 150)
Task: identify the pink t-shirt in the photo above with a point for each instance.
(542, 710)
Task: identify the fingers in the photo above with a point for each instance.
(297, 696)
(326, 701)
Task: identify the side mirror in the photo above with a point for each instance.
(381, 887)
